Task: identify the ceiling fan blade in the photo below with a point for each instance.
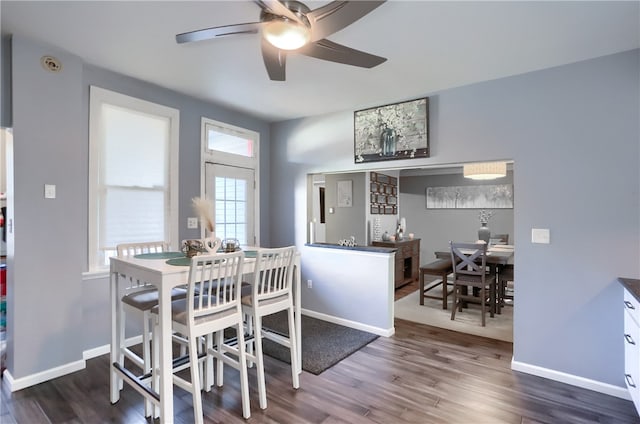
(336, 15)
(328, 50)
(221, 31)
(277, 8)
(274, 60)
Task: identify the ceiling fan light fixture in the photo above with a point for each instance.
(286, 35)
(485, 170)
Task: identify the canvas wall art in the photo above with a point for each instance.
(499, 196)
(392, 132)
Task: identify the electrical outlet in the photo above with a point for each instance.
(309, 284)
(192, 222)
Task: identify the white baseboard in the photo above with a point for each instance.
(574, 380)
(50, 374)
(40, 377)
(104, 349)
(385, 332)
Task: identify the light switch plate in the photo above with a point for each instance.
(192, 223)
(49, 191)
(540, 235)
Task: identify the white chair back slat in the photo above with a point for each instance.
(125, 250)
(274, 272)
(129, 250)
(214, 284)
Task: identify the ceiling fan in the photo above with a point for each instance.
(290, 26)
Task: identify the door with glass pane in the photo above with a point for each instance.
(231, 189)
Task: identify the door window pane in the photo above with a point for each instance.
(231, 208)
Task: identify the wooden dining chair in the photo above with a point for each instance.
(498, 239)
(471, 271)
(271, 292)
(212, 305)
(506, 285)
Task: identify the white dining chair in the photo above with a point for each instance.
(271, 292)
(140, 297)
(212, 305)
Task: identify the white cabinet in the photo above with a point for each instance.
(632, 339)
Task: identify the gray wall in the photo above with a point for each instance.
(346, 221)
(436, 227)
(5, 82)
(52, 314)
(44, 312)
(574, 136)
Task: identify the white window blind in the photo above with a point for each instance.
(131, 187)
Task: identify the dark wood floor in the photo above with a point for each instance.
(420, 375)
(407, 289)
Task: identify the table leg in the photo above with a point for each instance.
(165, 367)
(298, 316)
(114, 380)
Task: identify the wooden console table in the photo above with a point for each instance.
(407, 261)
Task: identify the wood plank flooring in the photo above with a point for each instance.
(422, 374)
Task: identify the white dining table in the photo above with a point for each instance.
(165, 277)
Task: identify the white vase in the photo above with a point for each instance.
(212, 244)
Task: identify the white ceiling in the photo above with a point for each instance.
(430, 46)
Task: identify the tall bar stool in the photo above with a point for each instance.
(212, 305)
(140, 297)
(271, 292)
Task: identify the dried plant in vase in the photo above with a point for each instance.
(204, 209)
(484, 233)
(485, 216)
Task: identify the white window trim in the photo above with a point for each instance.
(223, 158)
(97, 97)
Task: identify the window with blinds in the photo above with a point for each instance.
(133, 173)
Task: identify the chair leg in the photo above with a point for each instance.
(483, 303)
(146, 356)
(495, 309)
(219, 359)
(295, 378)
(122, 343)
(444, 291)
(421, 288)
(244, 378)
(155, 353)
(454, 304)
(208, 367)
(252, 343)
(195, 379)
(262, 390)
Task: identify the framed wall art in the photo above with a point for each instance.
(499, 196)
(383, 194)
(392, 132)
(345, 194)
